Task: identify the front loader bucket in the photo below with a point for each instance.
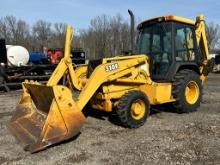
(45, 115)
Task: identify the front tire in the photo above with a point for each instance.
(187, 90)
(133, 109)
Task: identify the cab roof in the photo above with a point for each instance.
(167, 18)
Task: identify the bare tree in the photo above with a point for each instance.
(106, 36)
(213, 35)
(11, 24)
(8, 28)
(42, 33)
(58, 35)
(4, 32)
(22, 33)
(15, 32)
(120, 38)
(100, 29)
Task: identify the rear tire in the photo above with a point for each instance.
(187, 90)
(133, 109)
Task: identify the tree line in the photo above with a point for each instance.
(105, 36)
(42, 33)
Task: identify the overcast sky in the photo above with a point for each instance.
(80, 12)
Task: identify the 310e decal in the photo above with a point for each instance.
(111, 67)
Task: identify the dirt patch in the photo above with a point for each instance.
(78, 158)
(2, 159)
(166, 138)
(3, 114)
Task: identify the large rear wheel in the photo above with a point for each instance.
(187, 90)
(133, 109)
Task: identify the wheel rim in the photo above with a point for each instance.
(138, 109)
(192, 92)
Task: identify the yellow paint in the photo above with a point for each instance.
(158, 93)
(203, 78)
(192, 92)
(172, 18)
(179, 19)
(138, 109)
(81, 71)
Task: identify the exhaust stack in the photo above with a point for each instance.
(132, 30)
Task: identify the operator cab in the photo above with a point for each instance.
(170, 42)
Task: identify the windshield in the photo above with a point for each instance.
(154, 38)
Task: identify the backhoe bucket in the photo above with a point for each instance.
(45, 115)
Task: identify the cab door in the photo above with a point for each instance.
(155, 40)
(161, 50)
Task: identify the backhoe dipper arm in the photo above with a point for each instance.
(202, 40)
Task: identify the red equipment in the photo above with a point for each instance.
(55, 55)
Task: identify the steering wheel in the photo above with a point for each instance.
(155, 48)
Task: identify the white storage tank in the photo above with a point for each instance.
(17, 55)
(8, 46)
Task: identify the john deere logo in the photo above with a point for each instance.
(111, 67)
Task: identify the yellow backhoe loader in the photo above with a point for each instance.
(169, 64)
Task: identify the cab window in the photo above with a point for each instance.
(155, 41)
(184, 43)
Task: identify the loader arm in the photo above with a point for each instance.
(100, 75)
(65, 64)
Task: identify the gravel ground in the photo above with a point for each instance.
(166, 138)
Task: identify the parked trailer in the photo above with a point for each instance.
(77, 54)
(39, 67)
(216, 68)
(11, 77)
